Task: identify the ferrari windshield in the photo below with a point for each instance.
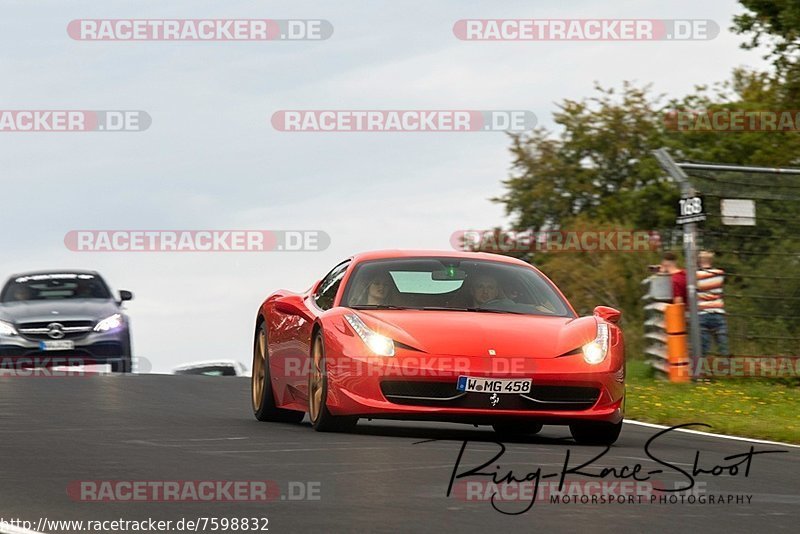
(54, 286)
(452, 284)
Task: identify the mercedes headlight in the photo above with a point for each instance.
(596, 351)
(109, 323)
(380, 345)
(7, 329)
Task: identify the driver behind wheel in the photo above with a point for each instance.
(485, 290)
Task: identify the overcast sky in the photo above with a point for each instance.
(211, 160)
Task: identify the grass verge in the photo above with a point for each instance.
(749, 407)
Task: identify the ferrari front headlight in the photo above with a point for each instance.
(596, 351)
(380, 345)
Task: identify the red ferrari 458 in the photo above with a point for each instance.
(447, 336)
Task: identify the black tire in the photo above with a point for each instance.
(125, 363)
(321, 418)
(592, 433)
(518, 429)
(261, 394)
(121, 366)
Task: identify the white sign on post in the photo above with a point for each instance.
(691, 210)
(738, 212)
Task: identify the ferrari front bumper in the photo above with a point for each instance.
(411, 385)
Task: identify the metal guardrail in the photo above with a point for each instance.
(657, 297)
(665, 330)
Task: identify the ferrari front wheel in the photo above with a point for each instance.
(263, 399)
(321, 419)
(595, 433)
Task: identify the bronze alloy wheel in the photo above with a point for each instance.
(315, 381)
(321, 419)
(259, 369)
(263, 399)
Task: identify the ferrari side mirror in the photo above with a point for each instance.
(609, 314)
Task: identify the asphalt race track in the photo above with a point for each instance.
(55, 431)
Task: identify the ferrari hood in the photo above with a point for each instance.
(457, 333)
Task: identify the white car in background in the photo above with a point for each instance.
(213, 368)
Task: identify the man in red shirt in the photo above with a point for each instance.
(669, 264)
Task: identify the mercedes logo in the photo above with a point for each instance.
(55, 330)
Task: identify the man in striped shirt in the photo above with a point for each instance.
(710, 304)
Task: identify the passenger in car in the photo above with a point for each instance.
(376, 292)
(21, 293)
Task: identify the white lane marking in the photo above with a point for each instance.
(214, 439)
(361, 471)
(637, 458)
(6, 528)
(713, 435)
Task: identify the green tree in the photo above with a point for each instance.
(599, 166)
(775, 24)
(597, 172)
(745, 91)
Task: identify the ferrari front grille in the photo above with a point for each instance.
(445, 394)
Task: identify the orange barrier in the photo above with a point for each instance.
(677, 346)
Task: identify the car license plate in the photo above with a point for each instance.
(493, 385)
(59, 344)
